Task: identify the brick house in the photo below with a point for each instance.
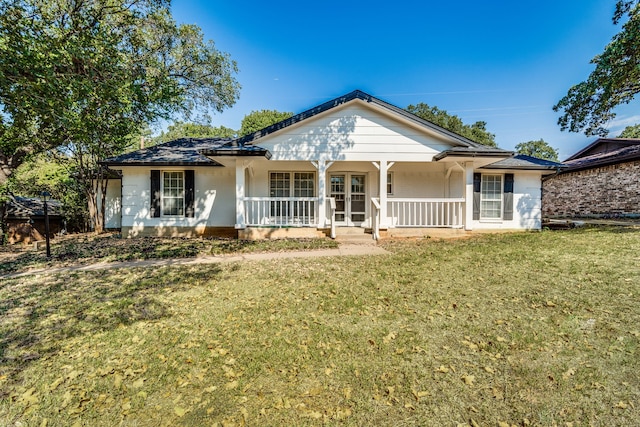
(601, 181)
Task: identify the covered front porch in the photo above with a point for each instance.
(375, 195)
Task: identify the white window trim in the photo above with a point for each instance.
(390, 183)
(492, 219)
(163, 197)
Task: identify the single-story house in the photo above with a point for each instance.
(602, 181)
(24, 219)
(355, 161)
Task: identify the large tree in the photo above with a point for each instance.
(181, 129)
(589, 105)
(476, 132)
(539, 148)
(83, 76)
(630, 132)
(257, 120)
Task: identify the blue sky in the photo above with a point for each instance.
(506, 63)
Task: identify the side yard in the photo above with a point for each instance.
(519, 329)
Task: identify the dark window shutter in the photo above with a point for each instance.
(507, 213)
(476, 195)
(155, 194)
(189, 184)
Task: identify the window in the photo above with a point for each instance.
(172, 193)
(389, 183)
(292, 184)
(303, 184)
(491, 197)
(281, 184)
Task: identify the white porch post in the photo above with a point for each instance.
(383, 194)
(468, 196)
(240, 193)
(322, 166)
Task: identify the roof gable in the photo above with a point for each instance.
(604, 145)
(455, 139)
(356, 131)
(621, 154)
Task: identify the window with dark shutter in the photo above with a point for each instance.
(491, 197)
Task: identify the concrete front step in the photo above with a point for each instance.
(350, 231)
(356, 239)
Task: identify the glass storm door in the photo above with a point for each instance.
(350, 193)
(357, 199)
(339, 192)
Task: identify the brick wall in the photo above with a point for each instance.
(607, 190)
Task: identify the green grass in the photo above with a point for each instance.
(87, 249)
(523, 329)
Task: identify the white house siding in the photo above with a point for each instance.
(355, 132)
(214, 202)
(527, 203)
(113, 209)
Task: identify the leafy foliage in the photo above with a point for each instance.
(589, 105)
(630, 132)
(193, 130)
(539, 148)
(84, 76)
(257, 120)
(476, 132)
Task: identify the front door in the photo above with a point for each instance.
(350, 192)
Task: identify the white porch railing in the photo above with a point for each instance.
(426, 212)
(281, 211)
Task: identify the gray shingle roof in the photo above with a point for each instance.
(619, 155)
(522, 161)
(179, 152)
(26, 207)
(604, 144)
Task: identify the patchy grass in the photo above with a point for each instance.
(522, 329)
(88, 249)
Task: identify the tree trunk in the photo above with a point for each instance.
(95, 210)
(103, 198)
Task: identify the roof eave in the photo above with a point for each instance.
(237, 152)
(533, 168)
(210, 163)
(473, 154)
(597, 164)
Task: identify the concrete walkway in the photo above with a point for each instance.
(342, 250)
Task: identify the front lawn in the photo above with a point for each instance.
(85, 249)
(519, 329)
